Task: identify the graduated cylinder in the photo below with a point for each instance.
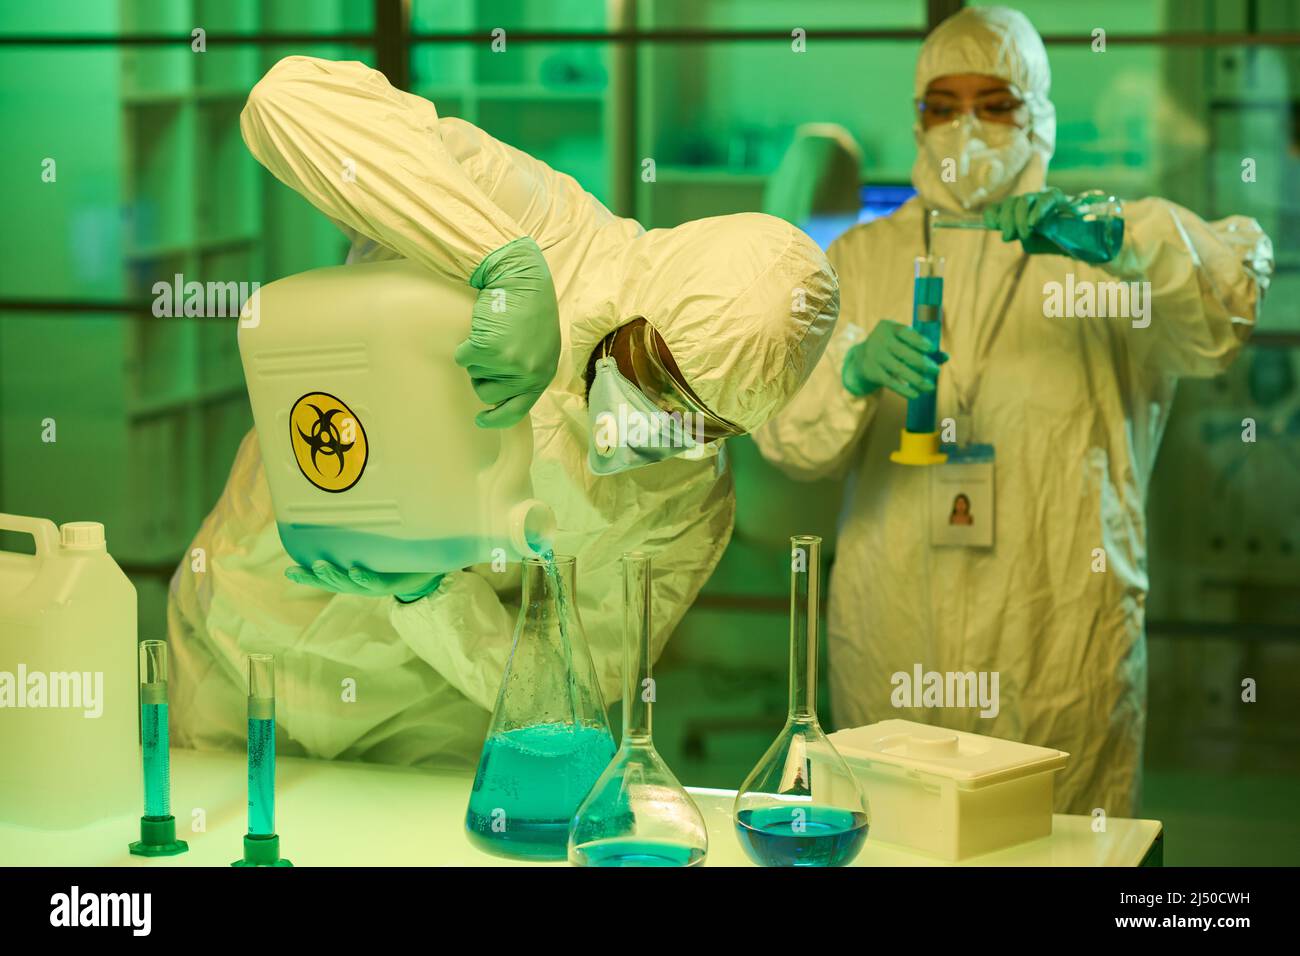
(919, 440)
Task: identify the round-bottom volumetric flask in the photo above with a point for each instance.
(801, 805)
(637, 814)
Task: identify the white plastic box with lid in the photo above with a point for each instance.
(952, 794)
(366, 424)
(69, 704)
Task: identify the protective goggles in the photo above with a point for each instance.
(646, 350)
(1004, 106)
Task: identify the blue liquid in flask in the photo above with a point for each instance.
(1088, 240)
(634, 852)
(157, 760)
(261, 776)
(529, 784)
(801, 835)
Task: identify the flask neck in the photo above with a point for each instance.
(639, 685)
(805, 588)
(547, 583)
(803, 674)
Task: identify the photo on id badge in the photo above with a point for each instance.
(961, 498)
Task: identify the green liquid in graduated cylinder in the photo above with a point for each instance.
(157, 760)
(261, 776)
(529, 784)
(630, 851)
(826, 836)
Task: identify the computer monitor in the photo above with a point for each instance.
(877, 201)
(882, 199)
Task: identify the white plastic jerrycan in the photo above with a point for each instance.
(367, 430)
(69, 703)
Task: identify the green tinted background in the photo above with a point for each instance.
(153, 180)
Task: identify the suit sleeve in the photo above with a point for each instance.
(1206, 282)
(816, 433)
(372, 159)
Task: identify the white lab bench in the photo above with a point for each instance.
(331, 813)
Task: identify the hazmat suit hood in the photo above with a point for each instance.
(990, 41)
(746, 304)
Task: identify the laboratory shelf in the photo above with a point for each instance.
(159, 182)
(325, 817)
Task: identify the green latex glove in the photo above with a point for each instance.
(1018, 216)
(514, 339)
(895, 356)
(405, 586)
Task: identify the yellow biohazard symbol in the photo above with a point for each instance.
(328, 442)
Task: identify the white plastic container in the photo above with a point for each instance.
(366, 424)
(69, 704)
(952, 794)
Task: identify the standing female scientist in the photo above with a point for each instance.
(1073, 407)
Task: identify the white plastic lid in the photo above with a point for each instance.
(972, 760)
(82, 535)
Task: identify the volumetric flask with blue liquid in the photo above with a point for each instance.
(637, 814)
(801, 805)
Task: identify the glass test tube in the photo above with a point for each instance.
(927, 319)
(261, 745)
(154, 739)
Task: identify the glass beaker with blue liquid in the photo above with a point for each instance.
(801, 805)
(549, 738)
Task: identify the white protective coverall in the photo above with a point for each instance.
(1075, 408)
(746, 304)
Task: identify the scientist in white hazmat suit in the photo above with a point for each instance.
(725, 316)
(1074, 408)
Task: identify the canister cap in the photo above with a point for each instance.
(82, 535)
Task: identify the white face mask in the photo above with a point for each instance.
(987, 158)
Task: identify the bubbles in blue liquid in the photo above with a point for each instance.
(261, 776)
(157, 760)
(801, 835)
(529, 785)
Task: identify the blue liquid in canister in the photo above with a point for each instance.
(801, 835)
(344, 548)
(261, 776)
(157, 760)
(634, 852)
(529, 785)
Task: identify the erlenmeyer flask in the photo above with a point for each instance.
(549, 737)
(1090, 228)
(801, 806)
(637, 814)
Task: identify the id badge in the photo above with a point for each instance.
(961, 498)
